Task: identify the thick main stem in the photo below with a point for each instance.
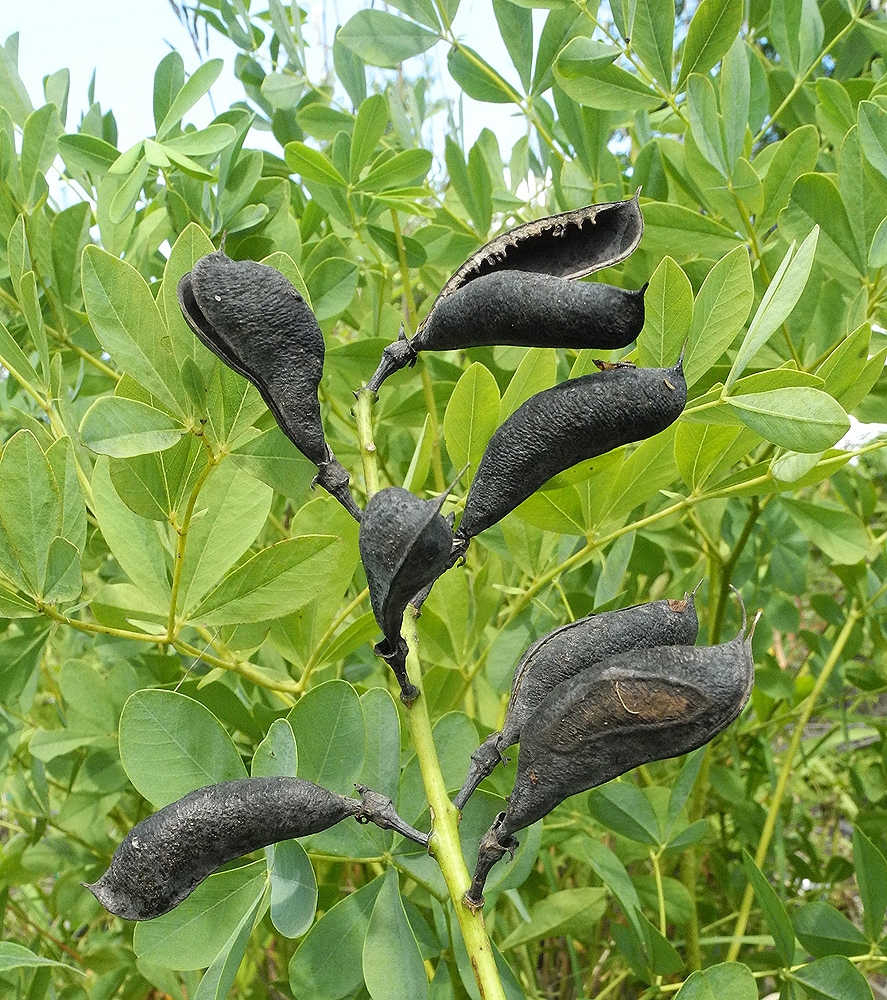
(445, 846)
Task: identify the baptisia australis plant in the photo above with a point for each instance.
(590, 700)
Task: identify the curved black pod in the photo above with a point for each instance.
(559, 427)
(404, 546)
(631, 709)
(573, 649)
(533, 300)
(252, 317)
(164, 858)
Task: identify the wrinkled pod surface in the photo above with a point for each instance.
(252, 317)
(630, 709)
(519, 289)
(573, 649)
(557, 428)
(404, 545)
(166, 856)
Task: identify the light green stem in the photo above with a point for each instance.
(363, 414)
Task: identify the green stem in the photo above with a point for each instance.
(314, 659)
(445, 847)
(782, 784)
(363, 414)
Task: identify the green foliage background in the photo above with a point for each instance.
(178, 608)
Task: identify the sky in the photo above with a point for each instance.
(124, 40)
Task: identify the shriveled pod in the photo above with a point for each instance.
(519, 289)
(573, 649)
(165, 857)
(252, 317)
(562, 426)
(404, 546)
(631, 709)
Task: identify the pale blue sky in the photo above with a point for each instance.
(124, 41)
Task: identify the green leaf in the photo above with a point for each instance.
(127, 322)
(613, 874)
(207, 141)
(369, 127)
(274, 459)
(134, 542)
(332, 284)
(840, 534)
(16, 956)
(652, 37)
(799, 418)
(797, 30)
(293, 888)
(777, 303)
(773, 910)
(878, 250)
(276, 754)
(64, 579)
(169, 78)
(712, 30)
(34, 317)
(229, 514)
(219, 977)
(39, 148)
(873, 134)
(705, 122)
(13, 93)
(823, 931)
(87, 152)
(124, 200)
(701, 448)
(392, 964)
(816, 201)
(327, 721)
(729, 979)
(795, 155)
(516, 28)
(381, 765)
(871, 877)
(470, 417)
(477, 78)
(282, 262)
(312, 165)
(14, 360)
(383, 39)
(668, 304)
(682, 788)
(327, 964)
(197, 84)
(735, 101)
(719, 313)
(407, 167)
(199, 928)
(122, 428)
(30, 512)
(570, 912)
(679, 231)
(18, 254)
(537, 371)
(596, 83)
(276, 581)
(171, 744)
(833, 978)
(622, 806)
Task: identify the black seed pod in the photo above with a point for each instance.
(164, 858)
(573, 649)
(253, 318)
(518, 289)
(559, 427)
(628, 710)
(404, 546)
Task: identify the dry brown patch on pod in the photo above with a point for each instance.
(519, 289)
(557, 428)
(164, 858)
(631, 709)
(573, 649)
(404, 546)
(252, 317)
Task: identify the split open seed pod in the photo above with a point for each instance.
(574, 649)
(252, 317)
(164, 858)
(630, 709)
(404, 546)
(520, 289)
